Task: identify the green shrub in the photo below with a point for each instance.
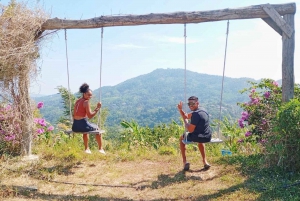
(284, 144)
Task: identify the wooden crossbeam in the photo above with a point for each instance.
(279, 21)
(250, 12)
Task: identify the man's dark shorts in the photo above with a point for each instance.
(83, 125)
(192, 137)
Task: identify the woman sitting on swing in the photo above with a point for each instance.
(82, 112)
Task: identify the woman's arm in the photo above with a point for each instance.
(90, 114)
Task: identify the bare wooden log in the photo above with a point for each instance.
(250, 12)
(288, 49)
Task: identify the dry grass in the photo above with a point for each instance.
(98, 177)
(142, 175)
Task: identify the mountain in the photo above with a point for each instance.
(152, 98)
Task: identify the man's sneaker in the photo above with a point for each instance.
(102, 151)
(186, 166)
(207, 166)
(88, 151)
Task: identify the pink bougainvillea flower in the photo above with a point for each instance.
(40, 105)
(263, 141)
(36, 120)
(240, 140)
(10, 137)
(42, 122)
(40, 131)
(241, 124)
(275, 84)
(245, 115)
(255, 101)
(248, 133)
(253, 90)
(8, 107)
(267, 94)
(263, 121)
(50, 128)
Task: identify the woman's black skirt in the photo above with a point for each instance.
(83, 125)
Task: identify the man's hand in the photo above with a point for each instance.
(179, 106)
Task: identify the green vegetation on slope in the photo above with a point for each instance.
(151, 99)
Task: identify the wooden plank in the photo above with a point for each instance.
(288, 49)
(90, 132)
(279, 21)
(250, 12)
(272, 24)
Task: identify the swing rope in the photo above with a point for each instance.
(224, 64)
(185, 141)
(186, 132)
(100, 75)
(67, 58)
(184, 63)
(69, 92)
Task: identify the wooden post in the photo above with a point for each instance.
(288, 48)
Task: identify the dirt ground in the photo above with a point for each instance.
(130, 180)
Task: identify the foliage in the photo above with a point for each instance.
(265, 99)
(231, 132)
(271, 123)
(284, 144)
(161, 135)
(68, 100)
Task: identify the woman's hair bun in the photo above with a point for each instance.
(84, 88)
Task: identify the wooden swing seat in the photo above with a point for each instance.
(213, 140)
(69, 132)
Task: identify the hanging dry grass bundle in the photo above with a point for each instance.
(20, 30)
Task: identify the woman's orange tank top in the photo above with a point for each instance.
(79, 110)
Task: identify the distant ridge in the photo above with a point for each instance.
(152, 98)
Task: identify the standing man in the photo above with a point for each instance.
(198, 129)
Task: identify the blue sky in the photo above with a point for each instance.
(254, 48)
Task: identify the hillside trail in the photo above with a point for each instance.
(130, 180)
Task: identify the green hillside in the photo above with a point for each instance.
(152, 98)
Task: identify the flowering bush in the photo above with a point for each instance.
(260, 111)
(273, 123)
(10, 129)
(43, 128)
